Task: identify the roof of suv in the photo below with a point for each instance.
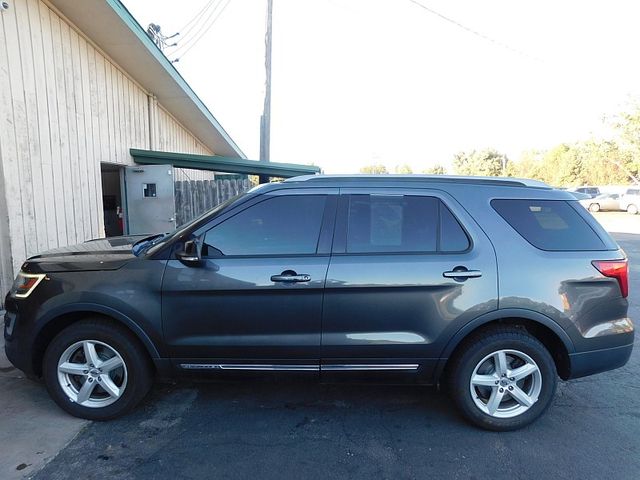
(389, 178)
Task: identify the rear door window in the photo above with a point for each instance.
(402, 224)
(553, 225)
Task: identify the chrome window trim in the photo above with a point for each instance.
(248, 366)
(371, 367)
(304, 368)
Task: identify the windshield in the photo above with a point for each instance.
(152, 244)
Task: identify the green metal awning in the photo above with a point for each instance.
(222, 164)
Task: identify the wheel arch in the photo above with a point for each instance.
(553, 337)
(56, 321)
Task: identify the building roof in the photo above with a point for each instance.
(114, 30)
(222, 164)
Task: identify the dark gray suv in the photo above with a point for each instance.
(492, 287)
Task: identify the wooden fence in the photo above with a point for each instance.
(194, 197)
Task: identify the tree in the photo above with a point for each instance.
(488, 162)
(375, 169)
(627, 126)
(403, 169)
(436, 170)
(591, 162)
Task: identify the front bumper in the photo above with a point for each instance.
(17, 353)
(596, 361)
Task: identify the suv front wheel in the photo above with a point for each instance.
(96, 369)
(503, 379)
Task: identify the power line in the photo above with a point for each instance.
(197, 21)
(155, 32)
(475, 32)
(203, 32)
(198, 15)
(199, 26)
(202, 29)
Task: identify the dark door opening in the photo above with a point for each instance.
(112, 199)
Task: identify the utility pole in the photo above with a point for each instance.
(265, 119)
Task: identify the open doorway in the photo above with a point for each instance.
(112, 199)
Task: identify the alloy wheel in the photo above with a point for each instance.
(92, 374)
(505, 383)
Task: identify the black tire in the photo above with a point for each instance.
(594, 207)
(477, 348)
(632, 209)
(139, 368)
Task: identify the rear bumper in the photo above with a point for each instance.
(596, 361)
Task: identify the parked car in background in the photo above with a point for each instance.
(491, 287)
(580, 195)
(591, 191)
(607, 202)
(630, 200)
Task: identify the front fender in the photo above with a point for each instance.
(101, 309)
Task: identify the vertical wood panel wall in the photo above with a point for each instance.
(173, 137)
(65, 108)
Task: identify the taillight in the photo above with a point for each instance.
(618, 269)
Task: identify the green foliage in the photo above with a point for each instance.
(403, 169)
(583, 163)
(488, 162)
(436, 170)
(375, 169)
(590, 162)
(627, 127)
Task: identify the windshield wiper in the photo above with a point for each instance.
(146, 242)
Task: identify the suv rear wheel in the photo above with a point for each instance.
(503, 379)
(96, 369)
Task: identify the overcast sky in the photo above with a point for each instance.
(357, 82)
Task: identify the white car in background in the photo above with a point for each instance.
(630, 200)
(606, 202)
(588, 190)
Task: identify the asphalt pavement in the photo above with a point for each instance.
(304, 430)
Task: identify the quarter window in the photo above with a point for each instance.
(286, 225)
(409, 224)
(553, 225)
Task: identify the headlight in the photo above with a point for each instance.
(26, 283)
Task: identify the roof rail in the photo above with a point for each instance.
(504, 181)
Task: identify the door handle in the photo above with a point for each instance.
(286, 277)
(462, 273)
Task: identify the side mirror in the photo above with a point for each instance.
(190, 256)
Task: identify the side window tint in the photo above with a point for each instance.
(452, 236)
(286, 225)
(385, 223)
(549, 224)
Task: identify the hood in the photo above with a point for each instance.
(100, 254)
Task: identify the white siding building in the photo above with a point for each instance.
(80, 85)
